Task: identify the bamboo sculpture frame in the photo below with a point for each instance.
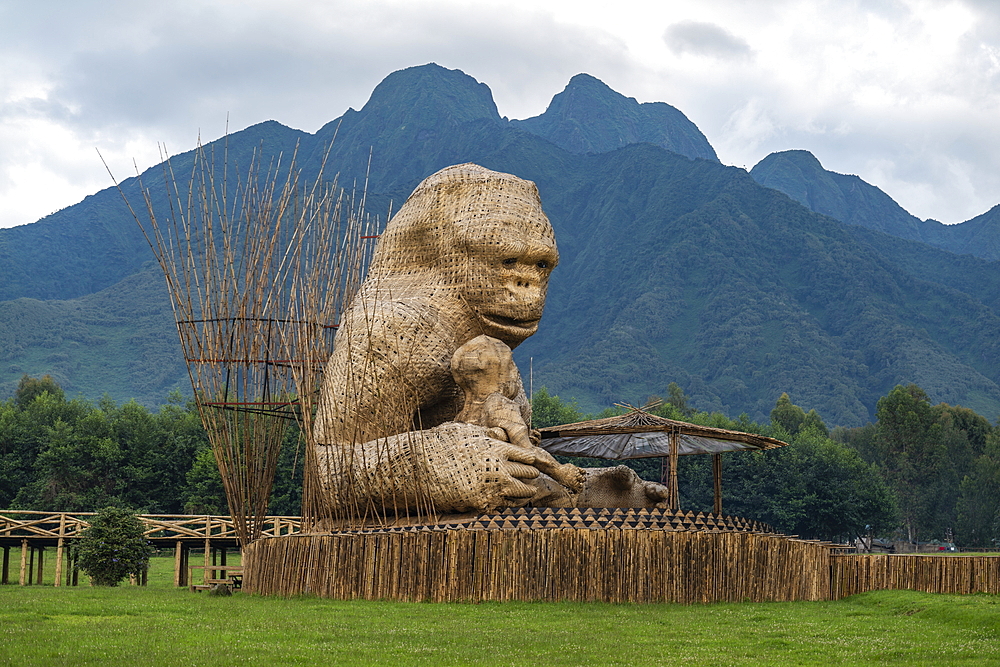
(258, 266)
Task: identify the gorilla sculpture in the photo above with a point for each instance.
(421, 402)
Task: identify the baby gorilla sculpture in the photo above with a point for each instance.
(421, 402)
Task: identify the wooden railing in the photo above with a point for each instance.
(32, 525)
(35, 531)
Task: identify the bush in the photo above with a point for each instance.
(113, 547)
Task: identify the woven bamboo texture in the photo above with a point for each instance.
(467, 255)
(611, 565)
(852, 574)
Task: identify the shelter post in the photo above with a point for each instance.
(208, 559)
(180, 564)
(717, 479)
(6, 565)
(24, 562)
(674, 497)
(70, 565)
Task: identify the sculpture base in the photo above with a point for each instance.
(547, 554)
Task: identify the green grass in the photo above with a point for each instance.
(43, 625)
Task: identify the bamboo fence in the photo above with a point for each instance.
(858, 573)
(611, 565)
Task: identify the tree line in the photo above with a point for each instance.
(920, 472)
(58, 454)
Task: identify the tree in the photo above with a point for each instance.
(677, 398)
(551, 411)
(813, 421)
(205, 493)
(29, 388)
(114, 547)
(787, 415)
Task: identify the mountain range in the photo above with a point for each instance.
(674, 267)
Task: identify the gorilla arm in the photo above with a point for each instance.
(388, 387)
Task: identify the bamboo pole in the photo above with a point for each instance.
(208, 554)
(178, 577)
(59, 549)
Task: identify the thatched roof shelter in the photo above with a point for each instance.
(639, 434)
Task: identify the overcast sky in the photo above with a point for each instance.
(906, 94)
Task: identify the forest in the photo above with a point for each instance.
(921, 472)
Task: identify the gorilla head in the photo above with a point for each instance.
(474, 235)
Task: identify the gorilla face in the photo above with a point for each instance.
(472, 235)
(508, 277)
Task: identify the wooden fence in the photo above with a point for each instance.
(36, 531)
(852, 574)
(613, 565)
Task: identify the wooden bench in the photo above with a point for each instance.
(232, 576)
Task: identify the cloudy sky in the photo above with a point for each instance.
(905, 93)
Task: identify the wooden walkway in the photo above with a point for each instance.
(34, 532)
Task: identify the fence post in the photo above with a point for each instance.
(59, 562)
(179, 578)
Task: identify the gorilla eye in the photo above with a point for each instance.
(510, 261)
(543, 264)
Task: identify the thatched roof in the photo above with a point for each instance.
(638, 434)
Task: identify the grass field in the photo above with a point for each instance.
(160, 625)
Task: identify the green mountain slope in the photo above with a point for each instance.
(849, 199)
(738, 294)
(121, 340)
(673, 269)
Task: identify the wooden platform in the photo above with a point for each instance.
(35, 532)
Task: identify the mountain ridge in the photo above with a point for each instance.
(849, 199)
(673, 269)
(589, 117)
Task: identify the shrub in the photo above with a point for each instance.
(113, 547)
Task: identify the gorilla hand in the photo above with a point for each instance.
(502, 416)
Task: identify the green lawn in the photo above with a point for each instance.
(160, 625)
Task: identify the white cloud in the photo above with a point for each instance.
(903, 92)
(705, 39)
